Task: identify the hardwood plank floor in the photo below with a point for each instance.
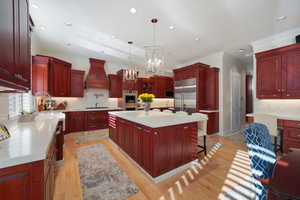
(207, 184)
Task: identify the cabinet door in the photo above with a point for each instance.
(268, 84)
(60, 79)
(147, 150)
(39, 78)
(77, 80)
(76, 121)
(7, 65)
(23, 67)
(291, 74)
(136, 150)
(115, 86)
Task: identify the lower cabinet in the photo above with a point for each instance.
(29, 181)
(291, 138)
(157, 151)
(212, 123)
(86, 121)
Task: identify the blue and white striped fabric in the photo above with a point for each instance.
(261, 154)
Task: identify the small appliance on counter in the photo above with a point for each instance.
(129, 100)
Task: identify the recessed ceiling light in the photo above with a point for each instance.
(197, 39)
(34, 6)
(68, 24)
(242, 50)
(171, 27)
(281, 18)
(132, 10)
(113, 37)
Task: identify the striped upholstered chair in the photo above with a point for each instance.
(262, 157)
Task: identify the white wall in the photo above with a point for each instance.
(230, 65)
(274, 106)
(3, 107)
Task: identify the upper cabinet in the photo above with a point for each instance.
(211, 90)
(77, 83)
(15, 44)
(50, 75)
(115, 89)
(163, 86)
(278, 73)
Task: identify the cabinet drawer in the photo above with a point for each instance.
(292, 134)
(293, 124)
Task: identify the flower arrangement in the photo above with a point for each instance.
(146, 98)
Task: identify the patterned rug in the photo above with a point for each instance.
(87, 138)
(100, 176)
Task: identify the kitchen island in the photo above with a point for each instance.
(161, 144)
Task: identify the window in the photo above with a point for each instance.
(18, 102)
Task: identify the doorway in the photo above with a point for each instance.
(236, 101)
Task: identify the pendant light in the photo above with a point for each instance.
(130, 73)
(154, 54)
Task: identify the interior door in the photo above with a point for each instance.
(236, 102)
(291, 75)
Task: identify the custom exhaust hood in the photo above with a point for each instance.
(96, 77)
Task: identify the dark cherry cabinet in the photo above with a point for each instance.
(291, 74)
(269, 77)
(35, 180)
(15, 68)
(86, 120)
(76, 121)
(210, 89)
(158, 150)
(278, 73)
(59, 78)
(212, 123)
(115, 88)
(50, 75)
(77, 83)
(162, 85)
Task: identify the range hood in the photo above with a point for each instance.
(96, 77)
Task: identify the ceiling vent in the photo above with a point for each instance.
(97, 77)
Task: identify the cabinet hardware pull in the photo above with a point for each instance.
(288, 95)
(155, 133)
(298, 135)
(186, 127)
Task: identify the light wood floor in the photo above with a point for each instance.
(207, 184)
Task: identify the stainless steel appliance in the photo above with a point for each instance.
(185, 95)
(130, 99)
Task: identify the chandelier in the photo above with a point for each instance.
(154, 54)
(130, 73)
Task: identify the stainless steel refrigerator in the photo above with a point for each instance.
(185, 95)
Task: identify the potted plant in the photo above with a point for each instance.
(146, 99)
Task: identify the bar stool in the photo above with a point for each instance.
(202, 130)
(270, 121)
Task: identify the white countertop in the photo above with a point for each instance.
(29, 141)
(280, 116)
(85, 109)
(156, 119)
(208, 111)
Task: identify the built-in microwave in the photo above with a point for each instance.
(130, 99)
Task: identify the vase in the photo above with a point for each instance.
(147, 106)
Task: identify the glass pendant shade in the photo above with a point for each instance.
(130, 73)
(153, 54)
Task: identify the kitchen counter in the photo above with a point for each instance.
(208, 111)
(156, 119)
(29, 141)
(85, 109)
(280, 116)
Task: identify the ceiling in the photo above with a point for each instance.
(101, 28)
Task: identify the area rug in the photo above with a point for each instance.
(100, 176)
(87, 138)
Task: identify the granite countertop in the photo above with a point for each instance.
(29, 141)
(96, 109)
(156, 119)
(208, 111)
(280, 116)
